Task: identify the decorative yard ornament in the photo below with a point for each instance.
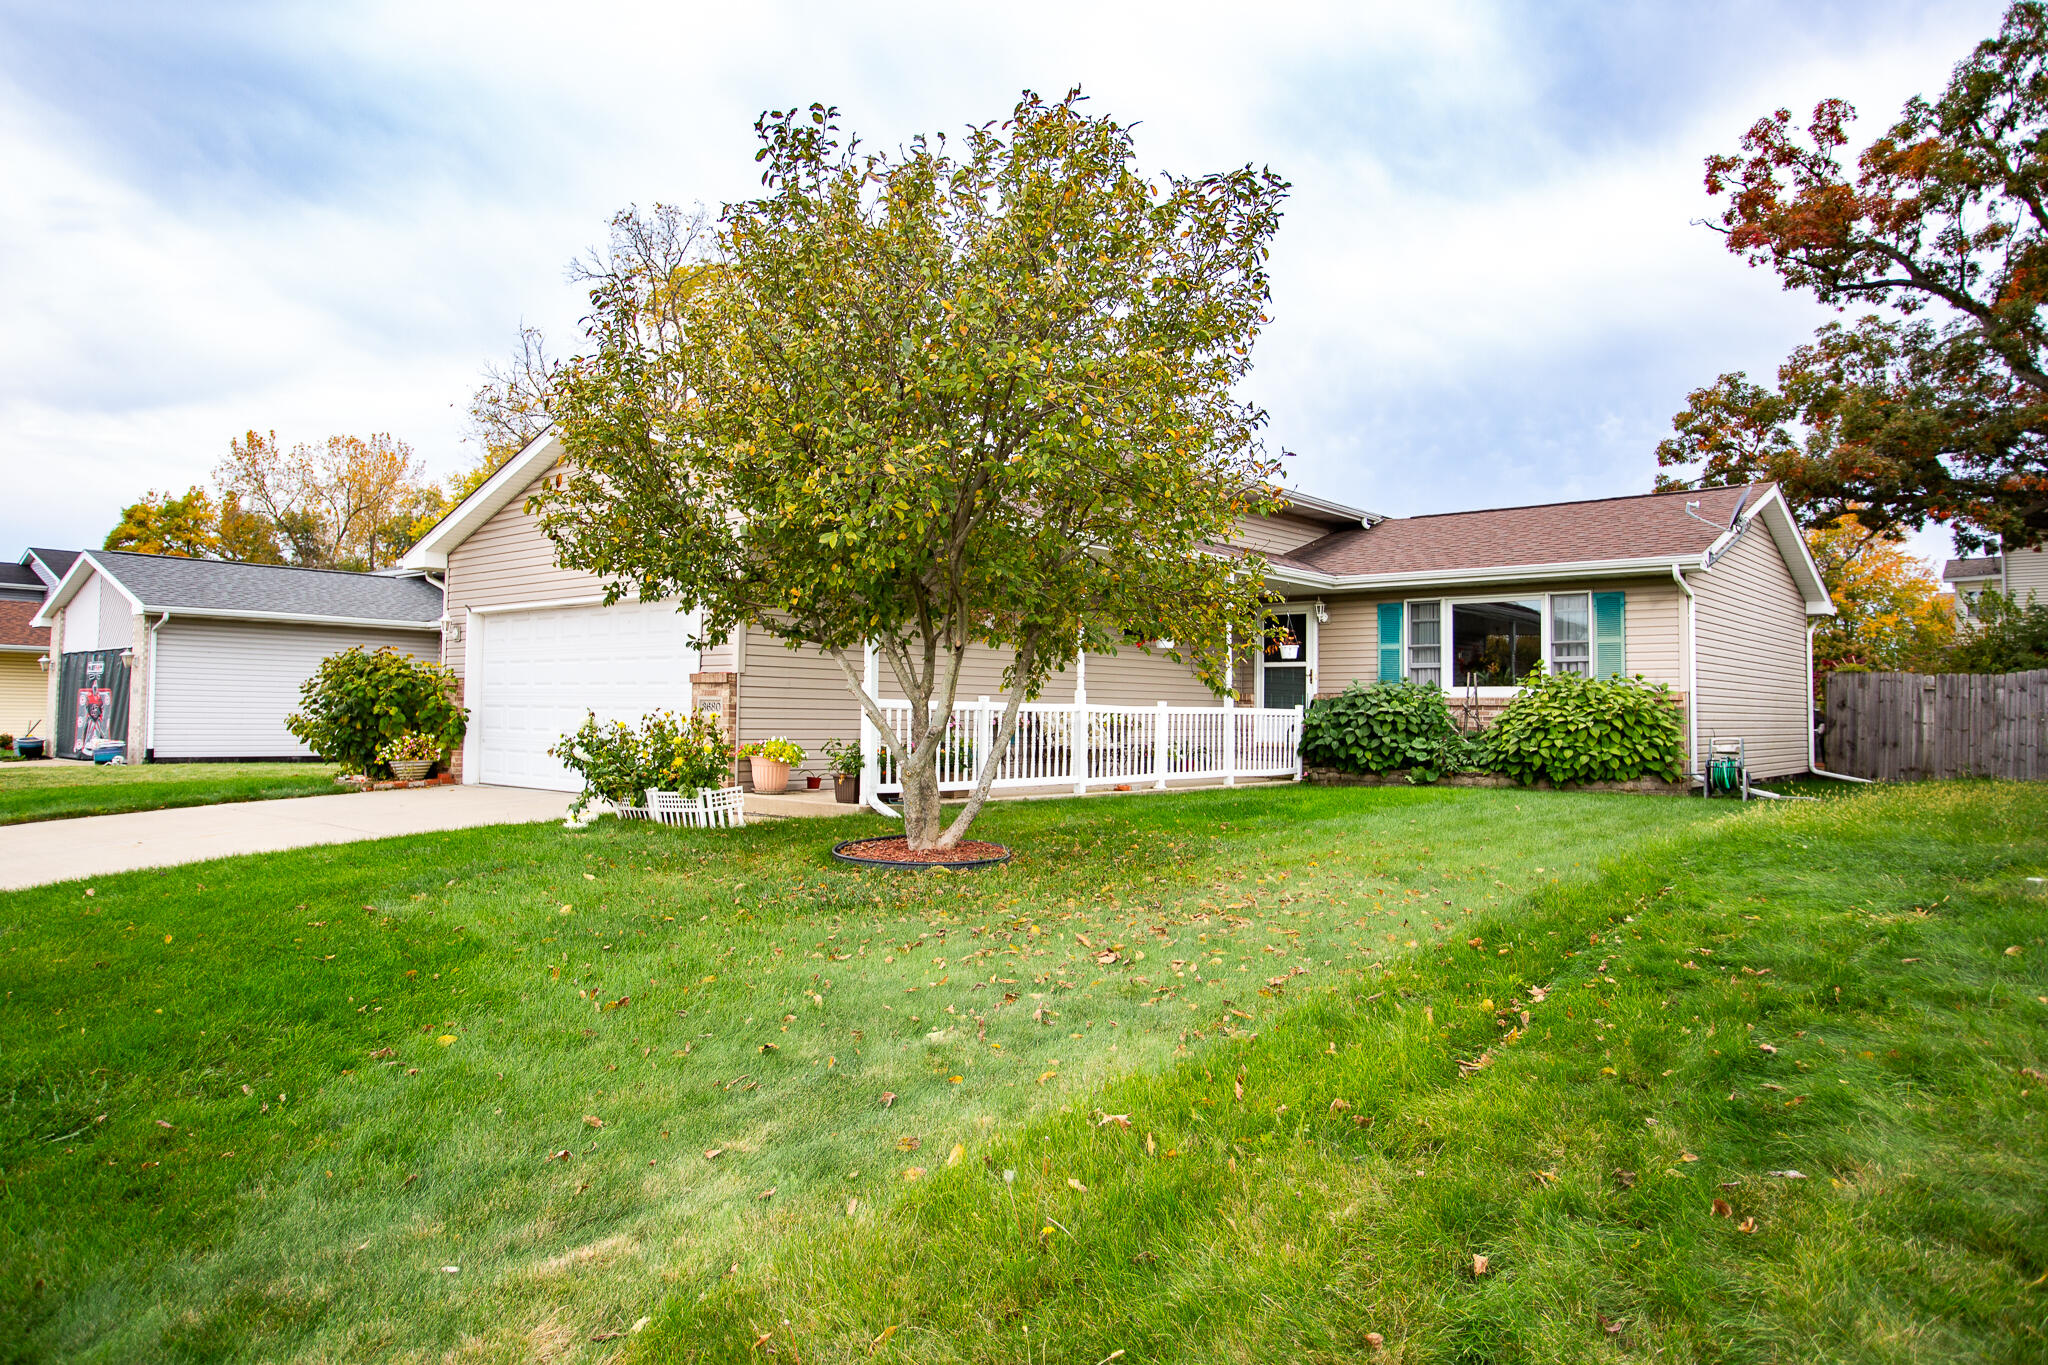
(972, 393)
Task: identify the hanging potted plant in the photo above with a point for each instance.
(1287, 642)
(846, 766)
(771, 761)
(411, 756)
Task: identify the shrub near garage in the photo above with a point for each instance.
(358, 703)
(1572, 729)
(1386, 727)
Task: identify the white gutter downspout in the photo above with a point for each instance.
(1812, 759)
(1692, 671)
(149, 736)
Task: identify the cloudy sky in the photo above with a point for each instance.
(1491, 286)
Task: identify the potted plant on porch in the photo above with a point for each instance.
(411, 756)
(771, 760)
(847, 761)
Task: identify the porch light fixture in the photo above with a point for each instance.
(451, 630)
(1322, 613)
(44, 663)
(128, 657)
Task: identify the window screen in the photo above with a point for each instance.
(1571, 634)
(1426, 642)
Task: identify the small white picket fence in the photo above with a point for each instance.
(1060, 744)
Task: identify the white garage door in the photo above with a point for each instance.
(542, 671)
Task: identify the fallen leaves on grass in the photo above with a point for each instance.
(711, 1153)
(888, 1098)
(593, 1120)
(1746, 1225)
(1625, 1179)
(1479, 1265)
(1723, 1209)
(909, 1144)
(1786, 1175)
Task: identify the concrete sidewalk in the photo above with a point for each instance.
(60, 850)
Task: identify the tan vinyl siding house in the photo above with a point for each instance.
(524, 635)
(1754, 672)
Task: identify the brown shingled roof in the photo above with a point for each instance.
(15, 628)
(1648, 526)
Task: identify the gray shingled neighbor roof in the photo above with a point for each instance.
(1971, 568)
(165, 582)
(57, 562)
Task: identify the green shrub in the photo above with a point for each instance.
(358, 702)
(1573, 729)
(667, 752)
(1382, 728)
(2009, 636)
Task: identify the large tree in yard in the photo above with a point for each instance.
(967, 393)
(1934, 408)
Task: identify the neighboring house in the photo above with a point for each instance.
(2019, 574)
(195, 659)
(24, 691)
(1711, 593)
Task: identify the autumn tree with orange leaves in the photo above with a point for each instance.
(1891, 614)
(351, 502)
(1935, 406)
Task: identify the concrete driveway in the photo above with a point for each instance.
(60, 850)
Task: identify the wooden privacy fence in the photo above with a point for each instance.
(1905, 727)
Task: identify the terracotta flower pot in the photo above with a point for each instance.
(770, 778)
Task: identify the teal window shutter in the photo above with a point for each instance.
(1610, 629)
(1390, 642)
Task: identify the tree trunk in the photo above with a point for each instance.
(922, 819)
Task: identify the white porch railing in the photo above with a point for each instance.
(1057, 744)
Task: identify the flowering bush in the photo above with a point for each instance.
(358, 702)
(666, 752)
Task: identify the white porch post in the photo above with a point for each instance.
(1300, 712)
(1230, 739)
(1159, 755)
(1078, 732)
(984, 737)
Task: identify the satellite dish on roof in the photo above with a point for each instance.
(1740, 503)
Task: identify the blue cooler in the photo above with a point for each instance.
(113, 751)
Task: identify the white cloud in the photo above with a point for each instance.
(327, 219)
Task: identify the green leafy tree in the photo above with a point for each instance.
(963, 394)
(2007, 636)
(160, 524)
(1935, 409)
(358, 703)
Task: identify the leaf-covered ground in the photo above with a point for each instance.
(62, 791)
(648, 1075)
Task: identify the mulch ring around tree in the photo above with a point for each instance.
(896, 852)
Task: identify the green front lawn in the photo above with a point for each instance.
(63, 791)
(714, 1081)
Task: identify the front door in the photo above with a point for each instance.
(1284, 669)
